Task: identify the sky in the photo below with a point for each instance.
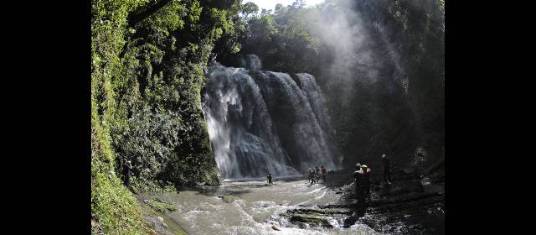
(270, 4)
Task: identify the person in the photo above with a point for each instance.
(311, 176)
(126, 172)
(323, 172)
(362, 182)
(386, 169)
(365, 181)
(357, 179)
(420, 167)
(269, 176)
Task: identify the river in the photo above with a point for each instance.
(254, 207)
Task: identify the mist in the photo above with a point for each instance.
(359, 52)
(378, 63)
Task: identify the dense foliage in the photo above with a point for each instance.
(379, 62)
(148, 62)
(416, 29)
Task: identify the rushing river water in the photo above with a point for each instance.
(253, 207)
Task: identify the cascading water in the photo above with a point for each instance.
(262, 121)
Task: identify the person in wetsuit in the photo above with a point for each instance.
(269, 177)
(311, 176)
(365, 181)
(127, 167)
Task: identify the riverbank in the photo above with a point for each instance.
(155, 212)
(407, 206)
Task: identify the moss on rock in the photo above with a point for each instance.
(160, 206)
(310, 220)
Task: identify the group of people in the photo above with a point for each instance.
(362, 178)
(314, 174)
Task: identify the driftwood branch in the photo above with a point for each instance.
(142, 14)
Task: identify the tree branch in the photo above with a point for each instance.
(142, 14)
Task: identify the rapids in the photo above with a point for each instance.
(253, 207)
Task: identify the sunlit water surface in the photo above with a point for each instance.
(253, 207)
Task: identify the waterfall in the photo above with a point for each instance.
(263, 121)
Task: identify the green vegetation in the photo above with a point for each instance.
(156, 212)
(417, 32)
(310, 220)
(161, 206)
(148, 59)
(110, 201)
(380, 64)
(281, 39)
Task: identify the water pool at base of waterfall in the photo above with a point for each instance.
(254, 207)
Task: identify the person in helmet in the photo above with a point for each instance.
(357, 179)
(365, 181)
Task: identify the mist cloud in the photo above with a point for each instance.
(354, 48)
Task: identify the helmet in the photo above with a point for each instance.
(365, 168)
(358, 165)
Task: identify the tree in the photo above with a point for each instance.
(249, 8)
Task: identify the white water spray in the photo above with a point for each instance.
(266, 122)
